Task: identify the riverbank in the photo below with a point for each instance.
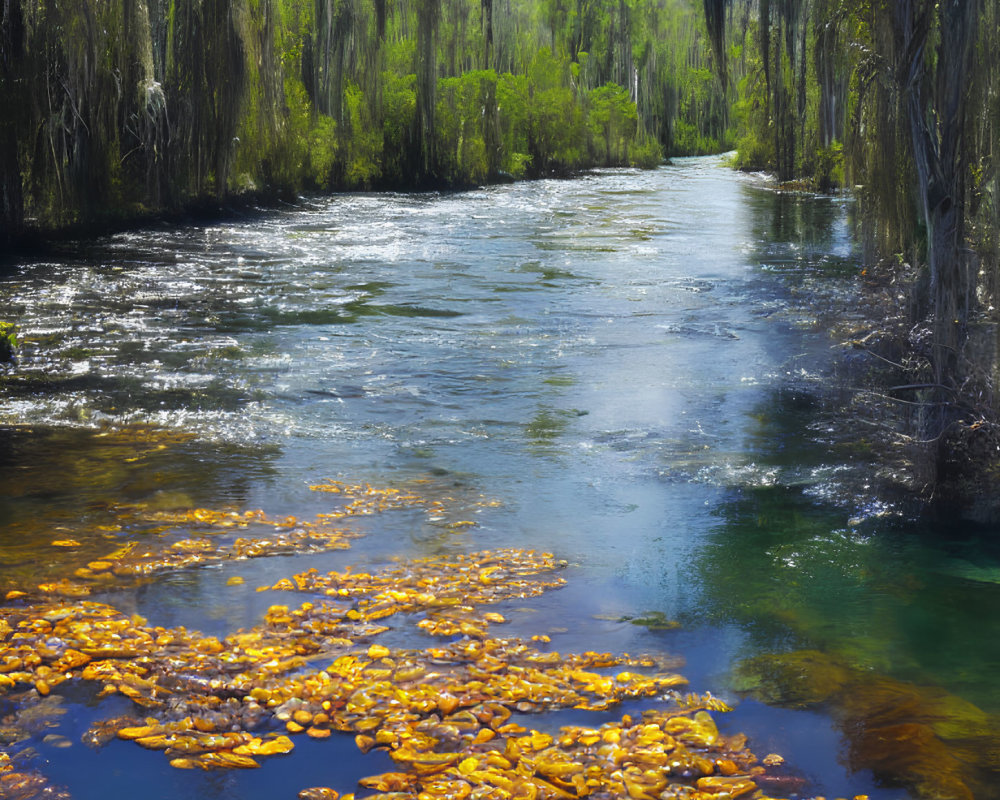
(36, 241)
(884, 402)
(895, 403)
(33, 240)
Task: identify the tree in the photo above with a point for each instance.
(12, 128)
(934, 89)
(428, 16)
(128, 106)
(908, 87)
(612, 119)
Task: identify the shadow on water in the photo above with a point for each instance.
(868, 619)
(108, 393)
(349, 313)
(79, 485)
(799, 224)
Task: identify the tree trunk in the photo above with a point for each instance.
(936, 113)
(487, 12)
(428, 14)
(12, 35)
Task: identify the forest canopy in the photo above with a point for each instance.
(121, 107)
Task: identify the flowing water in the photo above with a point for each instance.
(631, 365)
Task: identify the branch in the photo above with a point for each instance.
(922, 386)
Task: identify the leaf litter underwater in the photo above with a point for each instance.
(454, 718)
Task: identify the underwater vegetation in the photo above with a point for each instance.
(933, 742)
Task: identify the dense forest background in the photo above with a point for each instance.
(114, 107)
(117, 109)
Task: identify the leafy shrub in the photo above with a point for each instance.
(645, 153)
(8, 341)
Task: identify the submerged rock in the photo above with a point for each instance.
(8, 342)
(795, 680)
(936, 744)
(443, 713)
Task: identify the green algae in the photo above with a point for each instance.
(936, 744)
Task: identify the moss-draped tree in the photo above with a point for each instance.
(124, 107)
(906, 90)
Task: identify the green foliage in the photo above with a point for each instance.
(690, 141)
(513, 110)
(399, 112)
(754, 153)
(359, 143)
(612, 122)
(122, 106)
(646, 153)
(322, 149)
(8, 341)
(556, 141)
(751, 110)
(828, 173)
(289, 161)
(463, 116)
(551, 114)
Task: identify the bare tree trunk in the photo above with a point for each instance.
(428, 14)
(12, 35)
(827, 37)
(487, 12)
(936, 109)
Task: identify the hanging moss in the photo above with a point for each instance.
(125, 109)
(899, 102)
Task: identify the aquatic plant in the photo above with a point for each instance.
(8, 341)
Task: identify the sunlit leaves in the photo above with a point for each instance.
(445, 713)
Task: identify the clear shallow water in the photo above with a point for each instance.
(624, 361)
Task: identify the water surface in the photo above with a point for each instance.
(631, 364)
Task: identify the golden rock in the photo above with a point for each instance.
(319, 793)
(302, 716)
(727, 786)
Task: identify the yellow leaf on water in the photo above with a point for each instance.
(468, 765)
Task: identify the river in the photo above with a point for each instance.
(627, 369)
